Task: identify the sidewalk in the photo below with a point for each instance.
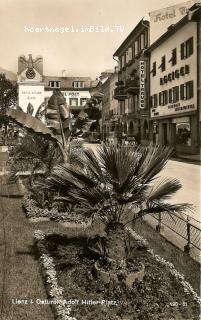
(189, 158)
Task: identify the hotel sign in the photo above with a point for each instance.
(161, 19)
(142, 84)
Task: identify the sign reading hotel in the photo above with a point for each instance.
(161, 19)
(33, 94)
(142, 84)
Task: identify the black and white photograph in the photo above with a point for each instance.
(100, 140)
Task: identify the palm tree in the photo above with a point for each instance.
(117, 185)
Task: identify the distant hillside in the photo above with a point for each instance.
(9, 74)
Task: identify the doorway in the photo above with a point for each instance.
(165, 140)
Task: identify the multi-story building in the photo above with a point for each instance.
(175, 84)
(132, 86)
(34, 88)
(76, 90)
(109, 108)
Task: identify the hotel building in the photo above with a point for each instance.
(175, 84)
(133, 85)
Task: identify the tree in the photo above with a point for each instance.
(8, 98)
(58, 127)
(117, 185)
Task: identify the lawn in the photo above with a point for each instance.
(20, 277)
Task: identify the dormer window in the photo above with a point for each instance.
(55, 84)
(78, 84)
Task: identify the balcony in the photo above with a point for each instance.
(132, 86)
(120, 94)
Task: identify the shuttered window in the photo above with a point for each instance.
(189, 90)
(174, 56)
(154, 101)
(165, 97)
(187, 48)
(175, 94)
(154, 69)
(182, 92)
(170, 94)
(186, 90)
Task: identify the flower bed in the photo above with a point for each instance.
(163, 293)
(34, 212)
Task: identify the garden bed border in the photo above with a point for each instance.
(48, 269)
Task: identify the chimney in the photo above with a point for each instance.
(63, 73)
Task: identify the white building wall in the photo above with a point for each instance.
(183, 34)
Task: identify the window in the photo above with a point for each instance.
(175, 94)
(83, 101)
(187, 48)
(73, 102)
(189, 90)
(122, 107)
(133, 49)
(78, 84)
(183, 133)
(154, 101)
(54, 84)
(186, 90)
(130, 54)
(136, 102)
(142, 41)
(122, 61)
(173, 59)
(170, 95)
(163, 98)
(153, 69)
(130, 104)
(136, 47)
(162, 65)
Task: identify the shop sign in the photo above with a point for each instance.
(142, 84)
(172, 109)
(175, 74)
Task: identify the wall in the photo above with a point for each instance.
(189, 30)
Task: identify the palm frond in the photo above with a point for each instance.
(164, 189)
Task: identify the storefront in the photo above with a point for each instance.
(174, 111)
(178, 132)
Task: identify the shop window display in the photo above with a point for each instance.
(183, 133)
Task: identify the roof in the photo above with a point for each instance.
(131, 35)
(193, 13)
(67, 82)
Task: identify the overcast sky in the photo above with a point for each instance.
(81, 54)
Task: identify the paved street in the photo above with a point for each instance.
(189, 176)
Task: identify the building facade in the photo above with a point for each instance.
(132, 90)
(109, 109)
(174, 85)
(34, 88)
